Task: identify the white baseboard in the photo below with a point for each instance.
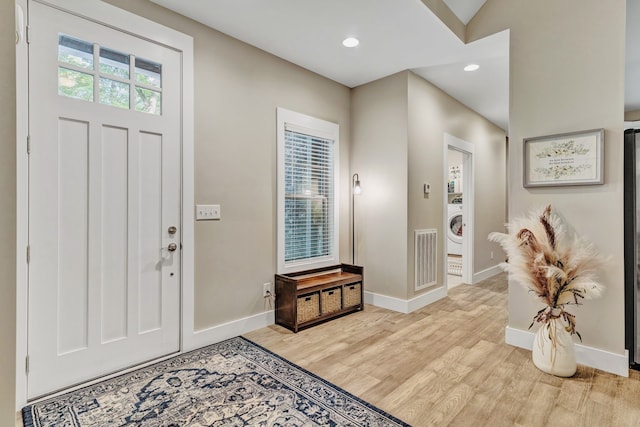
(404, 306)
(228, 330)
(486, 273)
(614, 363)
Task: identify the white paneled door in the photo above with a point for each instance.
(104, 200)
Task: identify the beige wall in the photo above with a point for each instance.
(398, 129)
(379, 156)
(8, 215)
(632, 116)
(237, 90)
(432, 113)
(567, 74)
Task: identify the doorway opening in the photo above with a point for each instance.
(458, 202)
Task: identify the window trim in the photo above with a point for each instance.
(316, 127)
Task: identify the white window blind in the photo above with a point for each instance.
(308, 221)
(307, 192)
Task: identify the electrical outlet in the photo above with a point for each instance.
(491, 254)
(266, 290)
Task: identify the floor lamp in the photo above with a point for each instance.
(355, 189)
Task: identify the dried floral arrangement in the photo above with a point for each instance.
(558, 269)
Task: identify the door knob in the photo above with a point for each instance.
(172, 247)
(172, 230)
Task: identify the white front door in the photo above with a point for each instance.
(104, 200)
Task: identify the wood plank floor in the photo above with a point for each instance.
(447, 364)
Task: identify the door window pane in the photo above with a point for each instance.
(75, 84)
(75, 52)
(148, 101)
(148, 73)
(114, 63)
(114, 93)
(113, 73)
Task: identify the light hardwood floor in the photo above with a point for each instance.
(447, 364)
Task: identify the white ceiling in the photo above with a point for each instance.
(465, 9)
(395, 35)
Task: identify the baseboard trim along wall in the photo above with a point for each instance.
(234, 328)
(617, 364)
(228, 330)
(486, 273)
(404, 306)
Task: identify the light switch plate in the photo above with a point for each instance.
(207, 212)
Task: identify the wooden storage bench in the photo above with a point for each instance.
(313, 296)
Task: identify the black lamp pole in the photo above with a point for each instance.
(355, 189)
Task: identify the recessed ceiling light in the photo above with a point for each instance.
(350, 42)
(471, 67)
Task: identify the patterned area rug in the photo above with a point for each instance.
(232, 383)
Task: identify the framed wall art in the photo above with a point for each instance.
(575, 158)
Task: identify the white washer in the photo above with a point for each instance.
(454, 229)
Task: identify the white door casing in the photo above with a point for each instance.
(467, 149)
(104, 188)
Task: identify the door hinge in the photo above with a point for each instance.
(28, 254)
(19, 24)
(28, 33)
(26, 365)
(28, 144)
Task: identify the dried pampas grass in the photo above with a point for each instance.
(558, 269)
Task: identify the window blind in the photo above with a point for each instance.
(309, 198)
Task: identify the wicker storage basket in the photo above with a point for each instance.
(308, 307)
(331, 300)
(352, 295)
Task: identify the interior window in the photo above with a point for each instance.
(307, 192)
(308, 196)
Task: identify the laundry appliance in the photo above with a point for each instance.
(454, 229)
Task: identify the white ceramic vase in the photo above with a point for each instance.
(553, 350)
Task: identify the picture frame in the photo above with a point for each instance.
(574, 158)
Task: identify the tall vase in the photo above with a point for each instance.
(553, 350)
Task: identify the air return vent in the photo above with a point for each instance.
(425, 257)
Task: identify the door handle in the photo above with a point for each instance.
(172, 247)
